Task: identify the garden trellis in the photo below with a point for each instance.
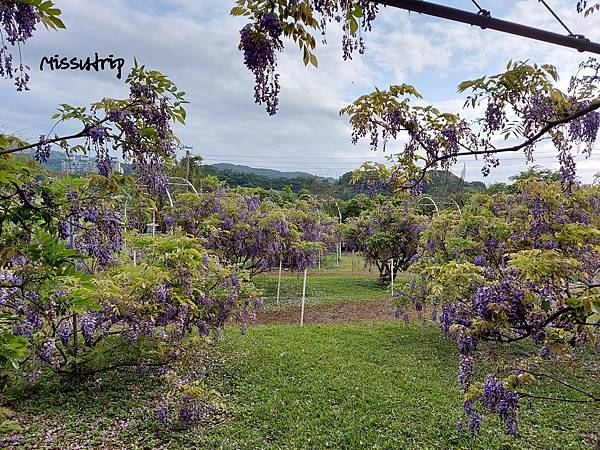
(437, 204)
(430, 200)
(173, 183)
(323, 288)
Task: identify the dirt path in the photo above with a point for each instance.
(330, 313)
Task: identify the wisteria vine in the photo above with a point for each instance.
(526, 93)
(138, 127)
(18, 22)
(254, 233)
(270, 20)
(512, 267)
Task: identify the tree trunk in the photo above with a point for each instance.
(381, 268)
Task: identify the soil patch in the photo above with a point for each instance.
(372, 311)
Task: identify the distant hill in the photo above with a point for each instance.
(250, 179)
(442, 182)
(269, 173)
(54, 163)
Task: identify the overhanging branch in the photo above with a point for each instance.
(593, 106)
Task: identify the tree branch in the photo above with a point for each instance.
(82, 133)
(593, 106)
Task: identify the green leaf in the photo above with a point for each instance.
(237, 11)
(358, 11)
(353, 25)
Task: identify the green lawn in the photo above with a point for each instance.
(386, 385)
(331, 284)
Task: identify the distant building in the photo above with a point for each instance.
(116, 165)
(82, 164)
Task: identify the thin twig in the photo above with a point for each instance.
(556, 399)
(564, 383)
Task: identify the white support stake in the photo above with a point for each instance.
(279, 279)
(134, 258)
(352, 262)
(303, 299)
(392, 277)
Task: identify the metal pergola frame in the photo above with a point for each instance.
(432, 202)
(172, 181)
(486, 21)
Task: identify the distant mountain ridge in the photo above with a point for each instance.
(269, 173)
(54, 162)
(442, 182)
(439, 184)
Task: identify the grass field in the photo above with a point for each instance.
(387, 385)
(371, 385)
(346, 385)
(332, 284)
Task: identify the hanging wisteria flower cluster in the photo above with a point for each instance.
(17, 24)
(94, 229)
(259, 44)
(586, 8)
(270, 20)
(18, 21)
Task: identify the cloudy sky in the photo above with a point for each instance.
(195, 44)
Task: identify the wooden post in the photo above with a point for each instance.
(303, 299)
(75, 342)
(352, 262)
